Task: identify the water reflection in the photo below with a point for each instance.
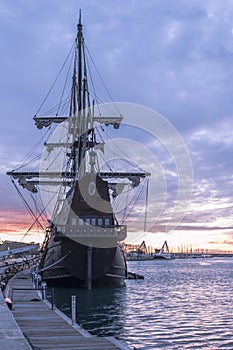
(181, 304)
(98, 310)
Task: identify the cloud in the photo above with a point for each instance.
(174, 57)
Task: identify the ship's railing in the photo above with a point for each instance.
(119, 232)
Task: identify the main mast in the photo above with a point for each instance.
(80, 106)
(79, 42)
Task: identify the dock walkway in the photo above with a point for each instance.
(11, 336)
(45, 328)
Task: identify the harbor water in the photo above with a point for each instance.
(181, 304)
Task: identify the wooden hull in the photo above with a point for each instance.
(65, 262)
(82, 248)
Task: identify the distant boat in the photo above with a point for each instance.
(140, 254)
(163, 253)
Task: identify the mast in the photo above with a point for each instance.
(79, 46)
(73, 100)
(78, 102)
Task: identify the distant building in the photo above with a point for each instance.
(18, 248)
(128, 248)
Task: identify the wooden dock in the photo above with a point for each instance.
(11, 336)
(45, 328)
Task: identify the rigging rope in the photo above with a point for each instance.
(51, 88)
(55, 263)
(26, 159)
(146, 205)
(105, 86)
(66, 80)
(135, 202)
(42, 211)
(27, 205)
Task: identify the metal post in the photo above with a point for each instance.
(89, 267)
(52, 301)
(37, 280)
(44, 290)
(73, 309)
(33, 277)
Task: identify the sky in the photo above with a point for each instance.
(174, 57)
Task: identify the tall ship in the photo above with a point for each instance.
(82, 245)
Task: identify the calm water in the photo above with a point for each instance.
(181, 304)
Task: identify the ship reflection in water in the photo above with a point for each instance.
(181, 304)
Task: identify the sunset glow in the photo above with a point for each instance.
(14, 226)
